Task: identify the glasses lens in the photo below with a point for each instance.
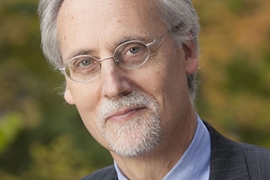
(131, 55)
(82, 68)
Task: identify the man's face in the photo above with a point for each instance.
(129, 112)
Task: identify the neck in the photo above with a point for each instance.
(156, 163)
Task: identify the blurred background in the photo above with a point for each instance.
(42, 137)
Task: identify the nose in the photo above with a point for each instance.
(115, 81)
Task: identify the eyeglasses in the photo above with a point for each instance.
(128, 55)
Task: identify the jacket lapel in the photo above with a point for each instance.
(227, 158)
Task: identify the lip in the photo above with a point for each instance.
(124, 114)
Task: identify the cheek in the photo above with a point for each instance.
(86, 101)
(166, 81)
(87, 106)
(166, 75)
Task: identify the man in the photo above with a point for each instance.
(129, 68)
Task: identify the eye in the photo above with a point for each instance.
(130, 53)
(84, 63)
(134, 50)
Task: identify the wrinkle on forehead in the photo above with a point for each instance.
(107, 9)
(105, 19)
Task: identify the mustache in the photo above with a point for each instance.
(133, 100)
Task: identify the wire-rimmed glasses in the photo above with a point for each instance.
(128, 55)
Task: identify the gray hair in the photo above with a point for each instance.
(48, 11)
(173, 12)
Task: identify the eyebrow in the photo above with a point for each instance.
(78, 53)
(119, 42)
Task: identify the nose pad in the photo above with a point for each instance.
(117, 62)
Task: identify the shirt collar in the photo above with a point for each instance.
(195, 162)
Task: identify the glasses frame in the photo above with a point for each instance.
(63, 69)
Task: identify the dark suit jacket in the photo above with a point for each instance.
(229, 161)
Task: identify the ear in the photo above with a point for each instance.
(191, 57)
(68, 96)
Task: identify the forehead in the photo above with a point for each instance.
(104, 10)
(92, 23)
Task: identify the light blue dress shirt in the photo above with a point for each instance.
(195, 162)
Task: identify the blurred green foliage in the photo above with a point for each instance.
(41, 137)
(10, 127)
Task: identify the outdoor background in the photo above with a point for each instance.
(42, 137)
